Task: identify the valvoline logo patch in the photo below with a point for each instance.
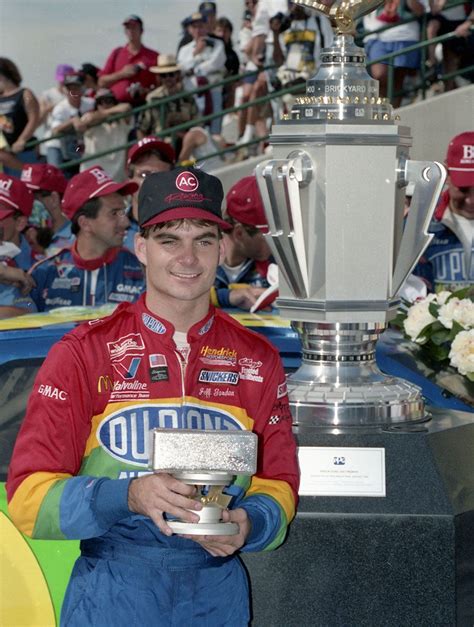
(124, 434)
(187, 182)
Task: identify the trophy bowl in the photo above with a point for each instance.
(341, 13)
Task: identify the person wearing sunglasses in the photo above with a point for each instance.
(183, 109)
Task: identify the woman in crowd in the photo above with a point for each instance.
(19, 116)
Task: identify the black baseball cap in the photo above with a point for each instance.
(207, 7)
(133, 18)
(179, 194)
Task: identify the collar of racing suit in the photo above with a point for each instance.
(165, 328)
(93, 264)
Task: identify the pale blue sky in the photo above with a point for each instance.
(39, 34)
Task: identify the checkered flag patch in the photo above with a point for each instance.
(274, 420)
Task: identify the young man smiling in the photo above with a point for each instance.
(143, 368)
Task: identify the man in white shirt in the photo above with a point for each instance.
(65, 117)
(203, 59)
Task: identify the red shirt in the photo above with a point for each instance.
(121, 57)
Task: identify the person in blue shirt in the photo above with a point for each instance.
(448, 262)
(16, 203)
(96, 269)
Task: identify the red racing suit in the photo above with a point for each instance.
(85, 436)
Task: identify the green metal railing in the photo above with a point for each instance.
(172, 131)
(160, 105)
(422, 45)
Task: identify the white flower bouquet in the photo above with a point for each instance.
(443, 326)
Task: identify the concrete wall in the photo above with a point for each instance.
(433, 123)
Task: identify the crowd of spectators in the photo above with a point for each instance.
(276, 45)
(72, 227)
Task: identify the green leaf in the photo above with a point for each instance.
(398, 321)
(470, 376)
(465, 292)
(439, 353)
(433, 309)
(425, 332)
(455, 330)
(440, 337)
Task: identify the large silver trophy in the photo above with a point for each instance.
(334, 200)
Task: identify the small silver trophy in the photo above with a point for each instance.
(334, 200)
(209, 460)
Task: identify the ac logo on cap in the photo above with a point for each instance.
(187, 182)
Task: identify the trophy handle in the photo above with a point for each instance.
(428, 178)
(279, 181)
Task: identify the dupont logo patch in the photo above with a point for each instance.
(153, 324)
(124, 435)
(187, 182)
(219, 377)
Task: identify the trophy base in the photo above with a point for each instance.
(386, 401)
(339, 385)
(204, 529)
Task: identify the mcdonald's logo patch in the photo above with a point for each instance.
(104, 384)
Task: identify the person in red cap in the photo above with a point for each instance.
(148, 155)
(126, 70)
(96, 269)
(242, 276)
(448, 262)
(16, 204)
(48, 183)
(170, 360)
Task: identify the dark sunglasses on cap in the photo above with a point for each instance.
(168, 74)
